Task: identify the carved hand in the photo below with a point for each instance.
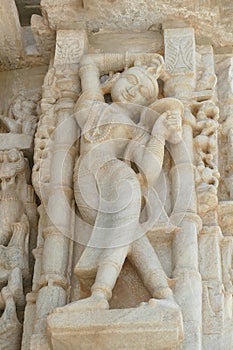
(11, 124)
(107, 85)
(168, 127)
(20, 231)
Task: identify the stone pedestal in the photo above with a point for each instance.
(154, 325)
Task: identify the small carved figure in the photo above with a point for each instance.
(206, 186)
(22, 115)
(205, 142)
(11, 165)
(206, 79)
(10, 327)
(207, 125)
(14, 224)
(14, 242)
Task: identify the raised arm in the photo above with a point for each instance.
(95, 65)
(107, 62)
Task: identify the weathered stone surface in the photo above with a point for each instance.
(11, 40)
(147, 326)
(127, 107)
(13, 141)
(212, 22)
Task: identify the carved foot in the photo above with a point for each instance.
(163, 302)
(91, 303)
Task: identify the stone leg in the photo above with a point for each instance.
(109, 268)
(145, 259)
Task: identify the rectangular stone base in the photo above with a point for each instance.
(21, 141)
(158, 326)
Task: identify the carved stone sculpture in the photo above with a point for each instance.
(206, 151)
(22, 116)
(14, 243)
(118, 114)
(99, 165)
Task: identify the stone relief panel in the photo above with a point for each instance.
(108, 93)
(20, 97)
(18, 214)
(96, 131)
(133, 172)
(104, 161)
(163, 116)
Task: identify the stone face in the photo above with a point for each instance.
(116, 177)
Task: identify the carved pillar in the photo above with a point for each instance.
(207, 180)
(180, 65)
(213, 297)
(225, 95)
(224, 68)
(58, 197)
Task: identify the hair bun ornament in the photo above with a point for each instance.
(157, 66)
